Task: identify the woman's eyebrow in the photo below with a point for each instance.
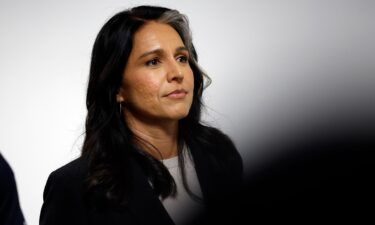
(155, 51)
(160, 51)
(182, 48)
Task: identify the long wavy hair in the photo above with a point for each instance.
(109, 143)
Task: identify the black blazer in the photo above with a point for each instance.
(219, 172)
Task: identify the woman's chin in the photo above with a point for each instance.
(178, 115)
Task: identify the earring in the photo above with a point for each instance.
(120, 107)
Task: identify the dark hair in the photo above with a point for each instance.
(108, 142)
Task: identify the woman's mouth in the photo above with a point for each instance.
(177, 94)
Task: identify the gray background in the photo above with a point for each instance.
(277, 67)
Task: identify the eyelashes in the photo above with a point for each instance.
(156, 61)
(183, 59)
(153, 62)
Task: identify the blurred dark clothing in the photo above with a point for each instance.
(10, 211)
(322, 176)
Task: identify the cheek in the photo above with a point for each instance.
(146, 90)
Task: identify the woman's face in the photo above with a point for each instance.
(158, 82)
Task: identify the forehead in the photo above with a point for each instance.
(156, 35)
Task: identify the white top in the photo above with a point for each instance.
(182, 207)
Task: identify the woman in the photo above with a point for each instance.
(146, 158)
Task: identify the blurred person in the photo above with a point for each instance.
(10, 211)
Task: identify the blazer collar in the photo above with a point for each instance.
(203, 170)
(144, 204)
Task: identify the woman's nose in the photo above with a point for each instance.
(175, 72)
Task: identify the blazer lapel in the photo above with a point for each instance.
(143, 202)
(202, 168)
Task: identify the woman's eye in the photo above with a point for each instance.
(183, 59)
(153, 62)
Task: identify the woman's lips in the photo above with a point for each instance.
(177, 94)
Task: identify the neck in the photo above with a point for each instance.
(160, 139)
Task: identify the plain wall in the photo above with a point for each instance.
(272, 63)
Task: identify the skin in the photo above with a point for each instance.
(157, 66)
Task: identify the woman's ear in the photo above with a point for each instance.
(120, 96)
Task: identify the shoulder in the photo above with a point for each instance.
(63, 194)
(69, 176)
(6, 174)
(220, 150)
(217, 143)
(72, 172)
(74, 169)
